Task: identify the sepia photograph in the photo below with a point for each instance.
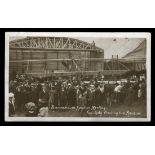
(77, 76)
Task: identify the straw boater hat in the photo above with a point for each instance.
(44, 85)
(11, 95)
(42, 100)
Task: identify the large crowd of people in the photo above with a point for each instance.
(35, 97)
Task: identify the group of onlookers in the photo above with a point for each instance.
(33, 97)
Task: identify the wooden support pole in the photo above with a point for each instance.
(31, 62)
(17, 60)
(117, 63)
(22, 62)
(57, 62)
(112, 63)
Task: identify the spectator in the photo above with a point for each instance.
(71, 93)
(11, 105)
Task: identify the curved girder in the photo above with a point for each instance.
(61, 43)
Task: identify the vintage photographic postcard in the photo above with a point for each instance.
(66, 76)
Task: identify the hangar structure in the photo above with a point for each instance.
(48, 56)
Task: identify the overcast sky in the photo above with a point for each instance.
(111, 46)
(115, 46)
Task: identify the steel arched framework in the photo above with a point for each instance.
(53, 43)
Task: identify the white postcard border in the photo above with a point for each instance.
(146, 35)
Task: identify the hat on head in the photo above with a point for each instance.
(42, 100)
(119, 82)
(11, 95)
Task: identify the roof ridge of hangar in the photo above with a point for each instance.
(74, 39)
